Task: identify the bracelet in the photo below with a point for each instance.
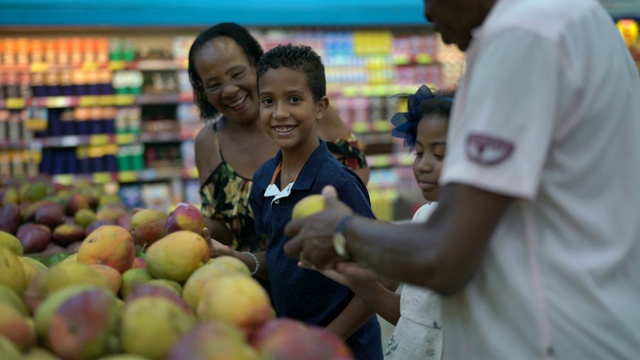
(255, 259)
(339, 240)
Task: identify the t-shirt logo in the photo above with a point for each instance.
(487, 150)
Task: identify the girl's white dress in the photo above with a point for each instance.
(418, 334)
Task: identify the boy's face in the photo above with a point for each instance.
(229, 80)
(430, 148)
(287, 109)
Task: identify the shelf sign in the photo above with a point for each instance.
(100, 139)
(125, 138)
(127, 176)
(16, 103)
(58, 102)
(102, 177)
(629, 30)
(122, 100)
(88, 101)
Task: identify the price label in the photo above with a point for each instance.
(123, 100)
(100, 139)
(58, 102)
(88, 101)
(350, 91)
(127, 176)
(36, 124)
(90, 66)
(16, 103)
(39, 67)
(66, 141)
(65, 179)
(125, 138)
(424, 59)
(105, 100)
(102, 177)
(192, 173)
(117, 65)
(401, 59)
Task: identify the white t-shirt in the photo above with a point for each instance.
(418, 333)
(548, 112)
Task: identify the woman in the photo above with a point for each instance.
(222, 70)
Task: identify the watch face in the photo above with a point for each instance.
(339, 244)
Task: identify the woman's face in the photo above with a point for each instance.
(229, 80)
(430, 148)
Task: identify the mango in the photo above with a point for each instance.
(148, 226)
(168, 284)
(185, 217)
(10, 242)
(213, 340)
(307, 206)
(150, 326)
(177, 255)
(29, 211)
(110, 245)
(11, 298)
(31, 268)
(36, 191)
(10, 218)
(11, 272)
(8, 350)
(38, 353)
(220, 266)
(77, 202)
(310, 342)
(82, 325)
(132, 278)
(11, 196)
(251, 304)
(110, 212)
(76, 322)
(154, 290)
(84, 217)
(49, 214)
(96, 224)
(61, 276)
(33, 237)
(15, 327)
(65, 234)
(113, 276)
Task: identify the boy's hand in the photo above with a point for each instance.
(216, 248)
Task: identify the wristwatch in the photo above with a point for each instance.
(339, 241)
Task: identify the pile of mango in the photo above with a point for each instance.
(144, 288)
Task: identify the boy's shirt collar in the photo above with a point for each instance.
(305, 177)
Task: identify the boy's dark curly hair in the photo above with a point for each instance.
(250, 46)
(299, 58)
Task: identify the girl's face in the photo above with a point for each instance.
(229, 80)
(430, 148)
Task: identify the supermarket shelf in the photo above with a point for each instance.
(14, 144)
(96, 100)
(146, 175)
(94, 140)
(143, 65)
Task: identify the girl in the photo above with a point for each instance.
(416, 312)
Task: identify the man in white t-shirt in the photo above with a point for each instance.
(536, 238)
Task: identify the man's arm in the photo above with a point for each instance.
(442, 254)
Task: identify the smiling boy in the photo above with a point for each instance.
(292, 96)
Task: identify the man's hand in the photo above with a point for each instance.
(311, 238)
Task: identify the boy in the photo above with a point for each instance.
(292, 96)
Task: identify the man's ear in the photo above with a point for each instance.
(321, 107)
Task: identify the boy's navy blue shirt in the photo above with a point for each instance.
(302, 294)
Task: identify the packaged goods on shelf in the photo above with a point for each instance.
(120, 108)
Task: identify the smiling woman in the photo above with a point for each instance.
(222, 70)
